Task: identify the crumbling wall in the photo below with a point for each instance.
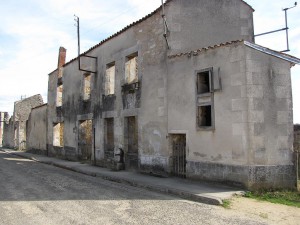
(297, 146)
(3, 120)
(37, 130)
(9, 132)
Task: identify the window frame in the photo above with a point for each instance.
(205, 99)
(107, 83)
(83, 91)
(60, 129)
(57, 102)
(128, 59)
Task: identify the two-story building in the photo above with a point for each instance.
(187, 94)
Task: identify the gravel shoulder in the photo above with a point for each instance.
(269, 212)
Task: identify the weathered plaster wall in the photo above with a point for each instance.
(37, 130)
(9, 132)
(3, 120)
(224, 144)
(197, 24)
(252, 140)
(22, 111)
(15, 131)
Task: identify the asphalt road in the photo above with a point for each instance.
(35, 193)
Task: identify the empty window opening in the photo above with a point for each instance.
(58, 134)
(85, 139)
(131, 69)
(204, 116)
(110, 79)
(87, 87)
(59, 93)
(204, 82)
(109, 138)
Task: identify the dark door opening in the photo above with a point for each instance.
(179, 155)
(131, 139)
(109, 139)
(85, 140)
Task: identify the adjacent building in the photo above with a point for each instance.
(15, 130)
(3, 119)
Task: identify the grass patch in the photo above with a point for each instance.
(226, 203)
(285, 197)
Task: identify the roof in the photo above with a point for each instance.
(128, 27)
(284, 56)
(277, 54)
(201, 50)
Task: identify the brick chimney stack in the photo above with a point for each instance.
(61, 60)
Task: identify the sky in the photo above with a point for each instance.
(31, 32)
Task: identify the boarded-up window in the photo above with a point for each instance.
(87, 87)
(58, 134)
(59, 93)
(131, 69)
(110, 79)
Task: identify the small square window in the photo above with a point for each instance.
(204, 82)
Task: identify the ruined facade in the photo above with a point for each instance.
(3, 120)
(185, 99)
(15, 130)
(36, 130)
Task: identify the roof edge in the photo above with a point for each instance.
(248, 5)
(200, 50)
(269, 51)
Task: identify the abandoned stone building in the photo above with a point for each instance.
(15, 130)
(3, 120)
(179, 96)
(184, 91)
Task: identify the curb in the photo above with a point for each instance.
(156, 188)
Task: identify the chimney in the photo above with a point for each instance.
(61, 60)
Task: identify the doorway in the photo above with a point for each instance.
(131, 142)
(178, 143)
(85, 139)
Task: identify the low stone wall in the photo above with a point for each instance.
(247, 176)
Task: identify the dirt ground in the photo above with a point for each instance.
(270, 213)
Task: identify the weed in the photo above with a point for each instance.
(226, 203)
(285, 197)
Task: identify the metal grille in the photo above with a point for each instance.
(179, 155)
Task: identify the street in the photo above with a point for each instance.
(35, 193)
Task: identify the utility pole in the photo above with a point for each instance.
(76, 18)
